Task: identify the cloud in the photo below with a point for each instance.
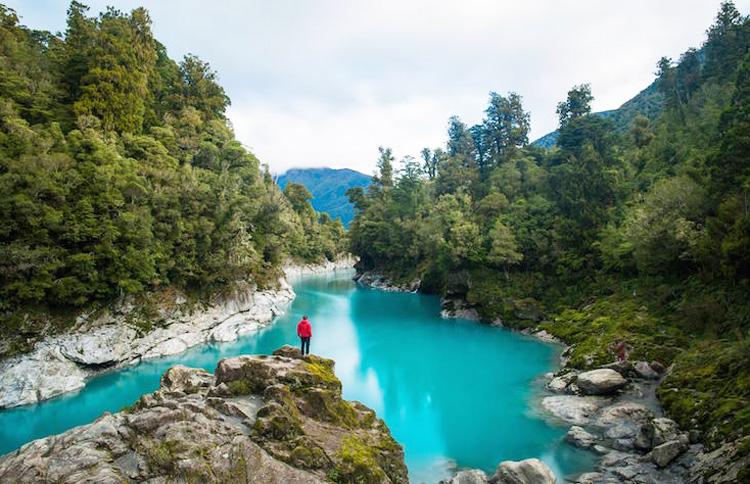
(324, 82)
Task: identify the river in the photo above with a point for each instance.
(454, 393)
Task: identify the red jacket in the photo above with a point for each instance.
(304, 330)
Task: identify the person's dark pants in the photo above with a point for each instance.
(305, 346)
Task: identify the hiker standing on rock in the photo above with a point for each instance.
(304, 331)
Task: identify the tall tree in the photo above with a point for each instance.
(384, 177)
(577, 104)
(506, 126)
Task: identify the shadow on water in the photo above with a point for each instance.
(454, 393)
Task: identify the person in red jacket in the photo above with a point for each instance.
(304, 331)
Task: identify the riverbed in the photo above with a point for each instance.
(455, 393)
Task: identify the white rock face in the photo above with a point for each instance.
(346, 262)
(45, 374)
(102, 346)
(603, 381)
(572, 408)
(62, 364)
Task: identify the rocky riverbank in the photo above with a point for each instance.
(613, 412)
(270, 419)
(63, 363)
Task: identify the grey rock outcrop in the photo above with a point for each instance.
(281, 420)
(665, 453)
(724, 464)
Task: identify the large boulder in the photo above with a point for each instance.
(603, 381)
(665, 453)
(529, 471)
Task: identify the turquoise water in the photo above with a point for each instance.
(454, 393)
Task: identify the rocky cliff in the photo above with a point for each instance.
(269, 419)
(124, 336)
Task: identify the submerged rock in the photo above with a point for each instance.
(603, 381)
(269, 419)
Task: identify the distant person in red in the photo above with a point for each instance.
(621, 350)
(304, 331)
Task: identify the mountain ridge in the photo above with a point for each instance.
(328, 187)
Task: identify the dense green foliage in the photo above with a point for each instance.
(328, 187)
(119, 173)
(639, 234)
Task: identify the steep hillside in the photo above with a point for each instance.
(328, 187)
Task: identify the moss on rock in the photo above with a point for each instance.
(357, 463)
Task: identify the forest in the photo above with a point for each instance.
(120, 176)
(637, 233)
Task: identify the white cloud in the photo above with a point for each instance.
(324, 82)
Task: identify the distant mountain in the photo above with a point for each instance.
(328, 187)
(647, 102)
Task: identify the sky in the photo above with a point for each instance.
(325, 82)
